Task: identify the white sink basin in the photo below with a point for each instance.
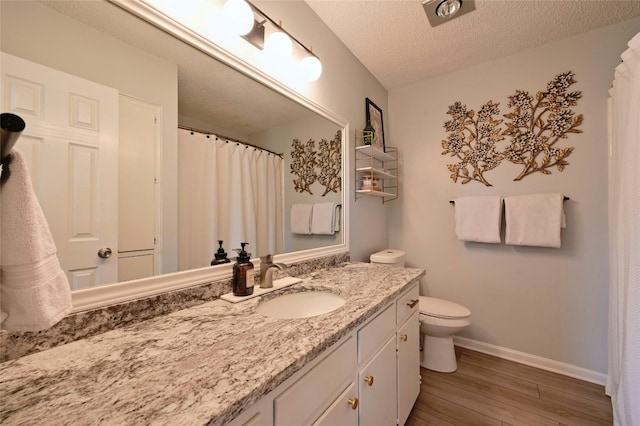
(303, 304)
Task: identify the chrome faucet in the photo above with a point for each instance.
(267, 267)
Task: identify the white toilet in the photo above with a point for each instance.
(389, 257)
(439, 321)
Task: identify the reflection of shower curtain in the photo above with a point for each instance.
(623, 382)
(228, 192)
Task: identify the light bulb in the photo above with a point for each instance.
(311, 68)
(239, 15)
(278, 44)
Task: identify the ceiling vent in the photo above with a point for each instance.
(441, 11)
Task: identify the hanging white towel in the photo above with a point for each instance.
(478, 218)
(34, 291)
(534, 220)
(324, 218)
(301, 218)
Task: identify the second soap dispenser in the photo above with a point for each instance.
(220, 256)
(243, 277)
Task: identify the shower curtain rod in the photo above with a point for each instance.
(228, 139)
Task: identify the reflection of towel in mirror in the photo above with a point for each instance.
(35, 291)
(534, 220)
(325, 218)
(301, 218)
(478, 218)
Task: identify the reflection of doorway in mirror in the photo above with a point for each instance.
(138, 207)
(70, 145)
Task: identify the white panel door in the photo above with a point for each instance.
(70, 142)
(137, 175)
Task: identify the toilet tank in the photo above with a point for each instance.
(389, 257)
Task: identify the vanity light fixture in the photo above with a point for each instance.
(278, 43)
(239, 15)
(440, 11)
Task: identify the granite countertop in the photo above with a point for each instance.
(200, 365)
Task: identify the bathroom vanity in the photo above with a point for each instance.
(221, 363)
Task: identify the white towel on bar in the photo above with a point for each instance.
(324, 218)
(478, 218)
(35, 291)
(301, 218)
(534, 219)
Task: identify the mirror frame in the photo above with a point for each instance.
(136, 289)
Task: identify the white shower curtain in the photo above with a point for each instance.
(227, 191)
(623, 382)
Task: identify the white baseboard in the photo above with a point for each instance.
(532, 360)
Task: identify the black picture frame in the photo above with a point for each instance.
(374, 115)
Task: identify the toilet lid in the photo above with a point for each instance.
(442, 308)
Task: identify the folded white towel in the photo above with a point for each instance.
(301, 218)
(323, 218)
(35, 292)
(534, 220)
(478, 218)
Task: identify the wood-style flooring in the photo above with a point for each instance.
(486, 390)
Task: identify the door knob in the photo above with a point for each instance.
(104, 253)
(403, 337)
(369, 380)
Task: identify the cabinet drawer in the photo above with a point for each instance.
(307, 398)
(373, 335)
(408, 303)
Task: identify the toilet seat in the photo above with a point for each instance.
(440, 308)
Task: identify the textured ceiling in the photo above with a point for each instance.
(394, 41)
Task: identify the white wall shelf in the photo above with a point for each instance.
(376, 171)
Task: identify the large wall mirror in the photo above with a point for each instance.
(152, 77)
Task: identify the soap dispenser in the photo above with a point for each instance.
(220, 256)
(243, 278)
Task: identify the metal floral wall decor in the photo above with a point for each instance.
(535, 126)
(472, 140)
(330, 163)
(303, 165)
(323, 165)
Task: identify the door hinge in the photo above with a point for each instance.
(155, 241)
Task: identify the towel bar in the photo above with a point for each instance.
(564, 199)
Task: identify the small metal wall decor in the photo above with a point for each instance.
(535, 125)
(323, 165)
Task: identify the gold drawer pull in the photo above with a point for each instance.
(413, 303)
(369, 380)
(403, 337)
(353, 402)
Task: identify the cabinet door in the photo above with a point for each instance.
(260, 414)
(377, 384)
(408, 366)
(343, 411)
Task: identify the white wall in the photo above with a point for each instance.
(342, 88)
(280, 139)
(62, 43)
(542, 301)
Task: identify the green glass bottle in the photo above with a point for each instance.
(368, 133)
